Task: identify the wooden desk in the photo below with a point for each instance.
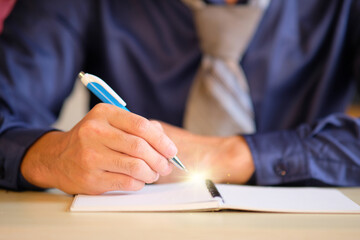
(45, 215)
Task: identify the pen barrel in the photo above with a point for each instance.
(103, 95)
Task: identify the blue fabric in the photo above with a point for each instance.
(302, 66)
(220, 2)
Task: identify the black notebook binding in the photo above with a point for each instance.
(212, 189)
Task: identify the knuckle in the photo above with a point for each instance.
(89, 127)
(141, 125)
(100, 108)
(159, 164)
(97, 109)
(117, 185)
(163, 141)
(138, 146)
(82, 132)
(118, 163)
(157, 124)
(135, 168)
(125, 184)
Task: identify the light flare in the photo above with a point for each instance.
(197, 177)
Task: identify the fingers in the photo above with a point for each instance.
(136, 148)
(90, 175)
(133, 167)
(108, 181)
(115, 182)
(136, 125)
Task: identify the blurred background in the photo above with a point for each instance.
(75, 107)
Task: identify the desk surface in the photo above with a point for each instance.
(45, 215)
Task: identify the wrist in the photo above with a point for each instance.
(237, 162)
(37, 166)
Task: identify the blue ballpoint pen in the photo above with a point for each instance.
(106, 94)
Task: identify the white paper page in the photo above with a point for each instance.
(162, 197)
(279, 199)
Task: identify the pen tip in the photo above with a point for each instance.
(176, 161)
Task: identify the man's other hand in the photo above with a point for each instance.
(221, 159)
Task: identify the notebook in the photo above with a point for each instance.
(206, 196)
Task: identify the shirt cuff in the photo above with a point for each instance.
(13, 147)
(279, 157)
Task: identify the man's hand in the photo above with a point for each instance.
(222, 159)
(109, 149)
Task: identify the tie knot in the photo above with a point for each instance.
(224, 30)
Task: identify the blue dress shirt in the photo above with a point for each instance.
(302, 66)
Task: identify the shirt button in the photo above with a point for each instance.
(280, 169)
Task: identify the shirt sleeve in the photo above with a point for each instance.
(327, 153)
(37, 72)
(324, 153)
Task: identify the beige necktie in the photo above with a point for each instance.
(219, 102)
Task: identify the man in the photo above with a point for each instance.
(302, 66)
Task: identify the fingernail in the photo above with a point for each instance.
(157, 177)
